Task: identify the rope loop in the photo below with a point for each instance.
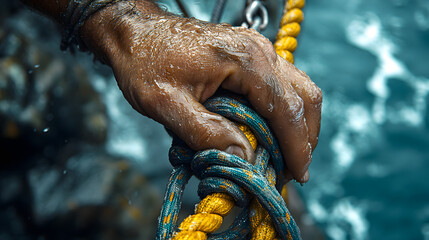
(228, 180)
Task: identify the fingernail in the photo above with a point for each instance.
(305, 178)
(235, 150)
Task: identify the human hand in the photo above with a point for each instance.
(167, 66)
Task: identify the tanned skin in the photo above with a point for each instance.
(167, 66)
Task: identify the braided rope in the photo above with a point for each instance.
(212, 208)
(286, 43)
(221, 172)
(210, 211)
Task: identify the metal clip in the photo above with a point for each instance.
(256, 16)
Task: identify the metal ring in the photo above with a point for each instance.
(254, 9)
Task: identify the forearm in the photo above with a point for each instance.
(110, 30)
(103, 30)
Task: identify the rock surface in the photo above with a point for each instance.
(57, 180)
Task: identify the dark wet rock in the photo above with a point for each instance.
(94, 196)
(91, 195)
(45, 101)
(11, 221)
(56, 179)
(44, 91)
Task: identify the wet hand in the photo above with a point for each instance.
(167, 66)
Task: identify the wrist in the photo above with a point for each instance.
(109, 32)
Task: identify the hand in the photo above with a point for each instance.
(167, 66)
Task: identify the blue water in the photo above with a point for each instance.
(369, 172)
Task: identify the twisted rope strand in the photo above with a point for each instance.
(286, 43)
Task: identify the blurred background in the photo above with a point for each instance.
(77, 162)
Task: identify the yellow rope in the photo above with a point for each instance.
(208, 217)
(210, 211)
(286, 42)
(260, 221)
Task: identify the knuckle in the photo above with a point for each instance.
(314, 92)
(296, 108)
(303, 74)
(269, 50)
(274, 88)
(256, 49)
(316, 95)
(260, 46)
(252, 47)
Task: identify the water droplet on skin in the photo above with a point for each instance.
(270, 107)
(46, 130)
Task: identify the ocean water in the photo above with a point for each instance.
(369, 172)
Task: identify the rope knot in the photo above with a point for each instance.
(228, 180)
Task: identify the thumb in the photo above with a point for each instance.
(199, 128)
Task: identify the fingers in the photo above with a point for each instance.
(288, 107)
(201, 129)
(311, 95)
